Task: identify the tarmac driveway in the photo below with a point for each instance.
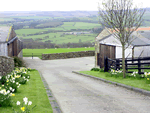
(80, 94)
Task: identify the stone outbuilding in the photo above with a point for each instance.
(10, 44)
(106, 44)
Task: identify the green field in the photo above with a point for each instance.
(75, 25)
(65, 27)
(29, 31)
(59, 38)
(39, 52)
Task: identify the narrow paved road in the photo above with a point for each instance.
(80, 94)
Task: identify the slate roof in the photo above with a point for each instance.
(141, 37)
(4, 33)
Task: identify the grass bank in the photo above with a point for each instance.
(34, 90)
(38, 52)
(127, 81)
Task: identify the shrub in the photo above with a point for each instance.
(101, 70)
(95, 69)
(3, 80)
(18, 62)
(25, 75)
(21, 80)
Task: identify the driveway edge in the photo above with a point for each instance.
(145, 92)
(55, 106)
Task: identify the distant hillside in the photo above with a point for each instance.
(50, 13)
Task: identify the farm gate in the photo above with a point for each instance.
(105, 50)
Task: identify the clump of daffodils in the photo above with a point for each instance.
(115, 71)
(146, 74)
(134, 73)
(10, 86)
(27, 103)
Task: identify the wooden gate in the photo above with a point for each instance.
(106, 50)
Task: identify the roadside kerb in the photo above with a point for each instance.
(147, 93)
(52, 99)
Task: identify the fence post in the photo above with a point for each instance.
(139, 66)
(106, 64)
(32, 55)
(126, 66)
(117, 64)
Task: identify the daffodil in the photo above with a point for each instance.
(23, 108)
(18, 103)
(29, 103)
(147, 78)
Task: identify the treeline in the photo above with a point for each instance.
(31, 44)
(49, 25)
(40, 24)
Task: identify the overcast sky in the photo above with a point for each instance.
(56, 5)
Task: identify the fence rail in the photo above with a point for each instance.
(117, 63)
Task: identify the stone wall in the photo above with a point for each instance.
(6, 65)
(67, 55)
(20, 55)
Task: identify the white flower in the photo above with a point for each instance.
(27, 80)
(9, 76)
(8, 91)
(25, 99)
(0, 77)
(13, 90)
(18, 103)
(13, 81)
(10, 94)
(10, 88)
(23, 77)
(25, 102)
(29, 103)
(28, 76)
(17, 86)
(17, 83)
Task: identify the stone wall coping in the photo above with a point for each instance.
(6, 57)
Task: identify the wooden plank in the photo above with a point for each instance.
(138, 68)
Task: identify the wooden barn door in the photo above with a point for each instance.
(106, 50)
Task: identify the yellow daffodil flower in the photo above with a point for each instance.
(23, 108)
(7, 80)
(13, 94)
(147, 78)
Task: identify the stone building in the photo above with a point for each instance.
(10, 44)
(106, 44)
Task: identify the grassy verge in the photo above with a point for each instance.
(34, 90)
(127, 81)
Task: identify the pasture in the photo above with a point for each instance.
(29, 31)
(39, 52)
(59, 38)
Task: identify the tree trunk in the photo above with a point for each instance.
(123, 60)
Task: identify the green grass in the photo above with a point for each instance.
(29, 31)
(65, 27)
(34, 90)
(58, 39)
(38, 52)
(127, 81)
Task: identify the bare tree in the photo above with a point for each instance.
(123, 20)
